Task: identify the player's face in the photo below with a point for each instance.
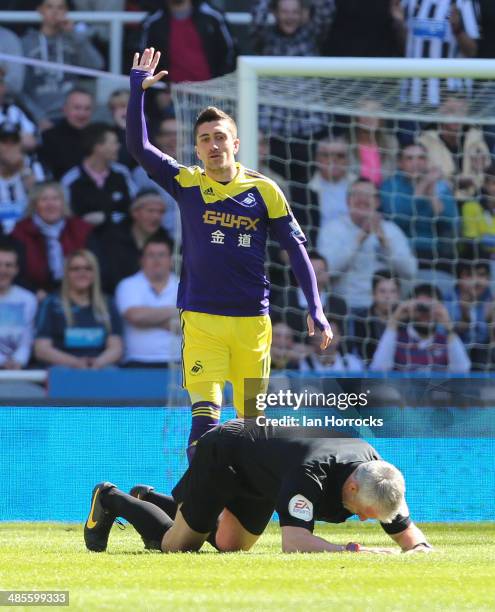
(8, 269)
(78, 110)
(50, 205)
(216, 145)
(148, 216)
(81, 274)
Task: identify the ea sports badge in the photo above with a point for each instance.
(301, 508)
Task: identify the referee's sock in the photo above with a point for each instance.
(166, 502)
(150, 521)
(205, 416)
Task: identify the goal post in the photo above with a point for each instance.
(251, 68)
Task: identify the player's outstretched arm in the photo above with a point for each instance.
(412, 540)
(159, 166)
(298, 539)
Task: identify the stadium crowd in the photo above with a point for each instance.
(400, 218)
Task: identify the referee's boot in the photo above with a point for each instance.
(100, 521)
(140, 491)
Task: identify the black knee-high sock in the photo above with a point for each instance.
(168, 505)
(147, 519)
(165, 502)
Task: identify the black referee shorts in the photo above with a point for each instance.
(211, 484)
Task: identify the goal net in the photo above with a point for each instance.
(315, 134)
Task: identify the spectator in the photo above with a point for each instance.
(194, 38)
(470, 306)
(10, 44)
(18, 174)
(374, 28)
(165, 138)
(420, 337)
(119, 247)
(100, 190)
(332, 360)
(286, 354)
(438, 29)
(294, 32)
(14, 114)
(61, 145)
(362, 243)
(292, 307)
(55, 41)
(99, 31)
(332, 178)
(369, 324)
(422, 205)
(147, 303)
(478, 215)
(79, 328)
(117, 104)
(17, 311)
(373, 148)
(48, 234)
(455, 148)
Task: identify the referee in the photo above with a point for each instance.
(242, 473)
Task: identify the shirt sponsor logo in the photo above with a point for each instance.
(301, 508)
(228, 220)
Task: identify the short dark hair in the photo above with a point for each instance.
(78, 90)
(427, 289)
(94, 134)
(6, 246)
(411, 144)
(381, 275)
(274, 4)
(471, 266)
(159, 238)
(212, 113)
(313, 254)
(364, 180)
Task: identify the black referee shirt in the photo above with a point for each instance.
(303, 476)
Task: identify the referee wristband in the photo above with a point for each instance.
(352, 547)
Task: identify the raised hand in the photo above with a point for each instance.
(148, 62)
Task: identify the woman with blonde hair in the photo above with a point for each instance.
(79, 327)
(373, 148)
(48, 234)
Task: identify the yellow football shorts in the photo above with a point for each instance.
(217, 348)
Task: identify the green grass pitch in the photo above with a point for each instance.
(460, 576)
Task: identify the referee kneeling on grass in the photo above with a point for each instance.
(241, 473)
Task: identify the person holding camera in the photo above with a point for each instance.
(420, 337)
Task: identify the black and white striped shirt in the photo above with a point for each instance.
(430, 36)
(11, 113)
